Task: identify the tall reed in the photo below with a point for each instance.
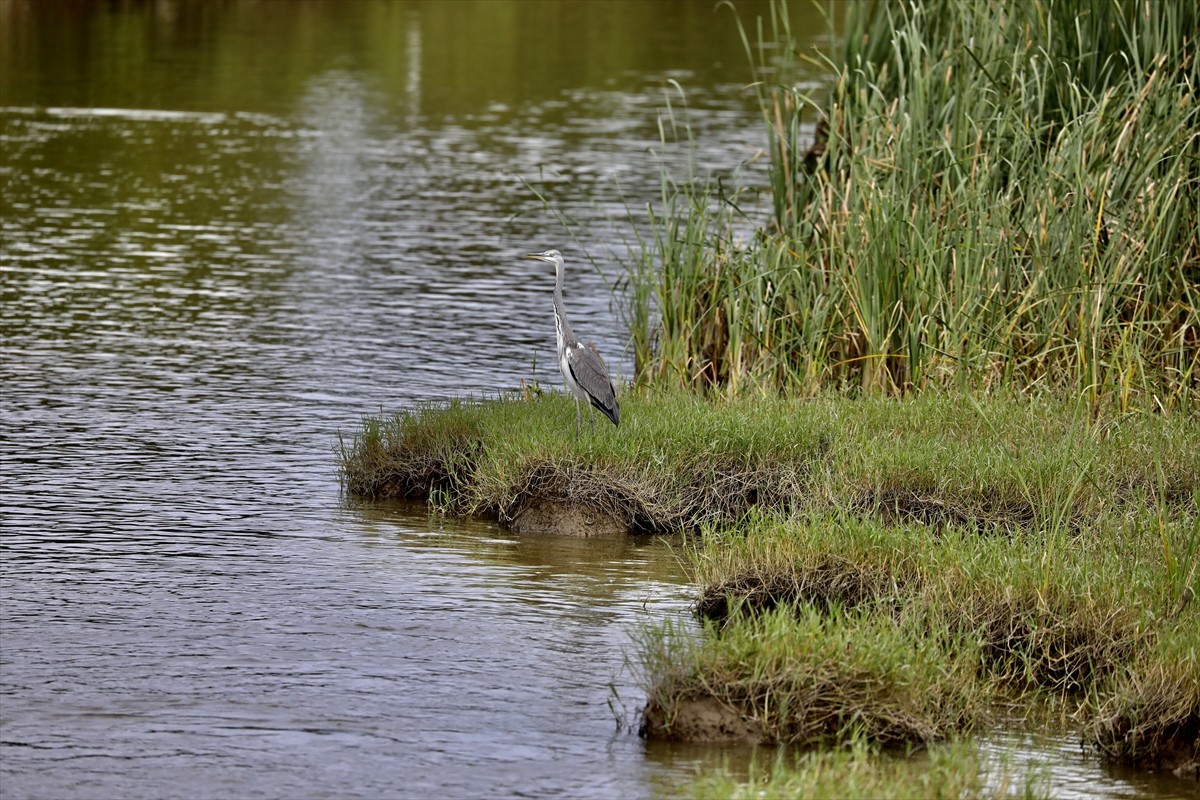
(995, 194)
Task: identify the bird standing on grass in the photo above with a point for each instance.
(583, 372)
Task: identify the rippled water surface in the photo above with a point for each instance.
(231, 229)
(377, 655)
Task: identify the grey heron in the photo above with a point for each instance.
(583, 372)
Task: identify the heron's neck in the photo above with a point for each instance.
(561, 329)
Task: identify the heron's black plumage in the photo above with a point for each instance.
(588, 370)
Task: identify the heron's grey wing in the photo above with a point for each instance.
(589, 372)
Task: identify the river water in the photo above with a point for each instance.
(229, 230)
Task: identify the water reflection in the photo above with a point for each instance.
(1068, 770)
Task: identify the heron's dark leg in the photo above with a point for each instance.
(576, 417)
(592, 419)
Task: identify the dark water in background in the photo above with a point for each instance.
(228, 231)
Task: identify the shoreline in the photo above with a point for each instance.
(936, 560)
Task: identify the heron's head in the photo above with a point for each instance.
(549, 256)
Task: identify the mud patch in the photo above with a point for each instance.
(703, 719)
(567, 519)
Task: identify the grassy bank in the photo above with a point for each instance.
(894, 570)
(948, 626)
(995, 194)
(1002, 464)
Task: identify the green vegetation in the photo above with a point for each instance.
(679, 463)
(944, 462)
(804, 676)
(997, 195)
(1093, 620)
(872, 568)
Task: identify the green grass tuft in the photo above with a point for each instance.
(421, 454)
(678, 462)
(801, 677)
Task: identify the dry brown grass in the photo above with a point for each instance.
(1150, 713)
(718, 492)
